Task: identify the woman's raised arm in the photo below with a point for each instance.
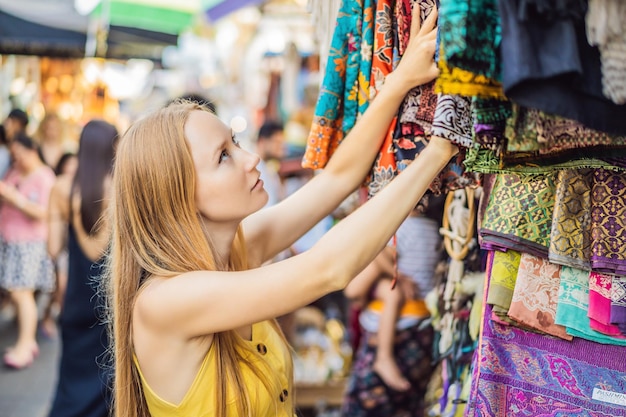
(204, 302)
(272, 230)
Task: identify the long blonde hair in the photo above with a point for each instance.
(156, 231)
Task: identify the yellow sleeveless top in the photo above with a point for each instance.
(200, 398)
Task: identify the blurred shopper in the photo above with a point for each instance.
(270, 147)
(15, 123)
(76, 206)
(5, 154)
(66, 168)
(24, 262)
(392, 364)
(52, 139)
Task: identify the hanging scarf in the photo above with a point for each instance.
(536, 295)
(618, 303)
(519, 213)
(344, 92)
(600, 304)
(504, 274)
(573, 306)
(570, 237)
(608, 222)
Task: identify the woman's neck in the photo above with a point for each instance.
(221, 237)
(28, 167)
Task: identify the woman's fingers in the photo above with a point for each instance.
(415, 20)
(431, 35)
(429, 23)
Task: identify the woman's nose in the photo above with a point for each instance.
(253, 160)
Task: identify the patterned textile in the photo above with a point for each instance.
(366, 394)
(384, 168)
(409, 132)
(618, 303)
(26, 265)
(521, 373)
(536, 294)
(382, 58)
(531, 130)
(600, 304)
(519, 213)
(570, 237)
(573, 306)
(471, 35)
(465, 83)
(490, 111)
(503, 277)
(453, 119)
(344, 94)
(608, 222)
(418, 107)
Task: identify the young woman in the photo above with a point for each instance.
(77, 201)
(192, 307)
(24, 263)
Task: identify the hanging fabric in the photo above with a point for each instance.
(344, 93)
(605, 29)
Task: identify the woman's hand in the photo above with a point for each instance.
(417, 65)
(11, 195)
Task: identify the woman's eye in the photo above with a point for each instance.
(223, 156)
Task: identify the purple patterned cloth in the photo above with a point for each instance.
(521, 373)
(608, 222)
(618, 303)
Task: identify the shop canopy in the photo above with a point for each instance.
(166, 16)
(137, 28)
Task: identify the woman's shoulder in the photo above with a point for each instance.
(63, 186)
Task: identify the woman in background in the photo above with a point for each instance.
(66, 167)
(76, 204)
(24, 263)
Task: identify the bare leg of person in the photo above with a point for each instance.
(385, 364)
(55, 304)
(25, 350)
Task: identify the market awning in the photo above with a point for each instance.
(137, 28)
(216, 9)
(23, 37)
(165, 16)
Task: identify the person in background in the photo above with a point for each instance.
(192, 302)
(393, 362)
(67, 165)
(15, 123)
(77, 202)
(24, 263)
(5, 154)
(270, 147)
(66, 168)
(52, 139)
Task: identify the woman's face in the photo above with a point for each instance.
(19, 154)
(228, 187)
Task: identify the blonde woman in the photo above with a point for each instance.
(192, 307)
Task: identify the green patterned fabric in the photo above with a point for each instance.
(470, 35)
(519, 213)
